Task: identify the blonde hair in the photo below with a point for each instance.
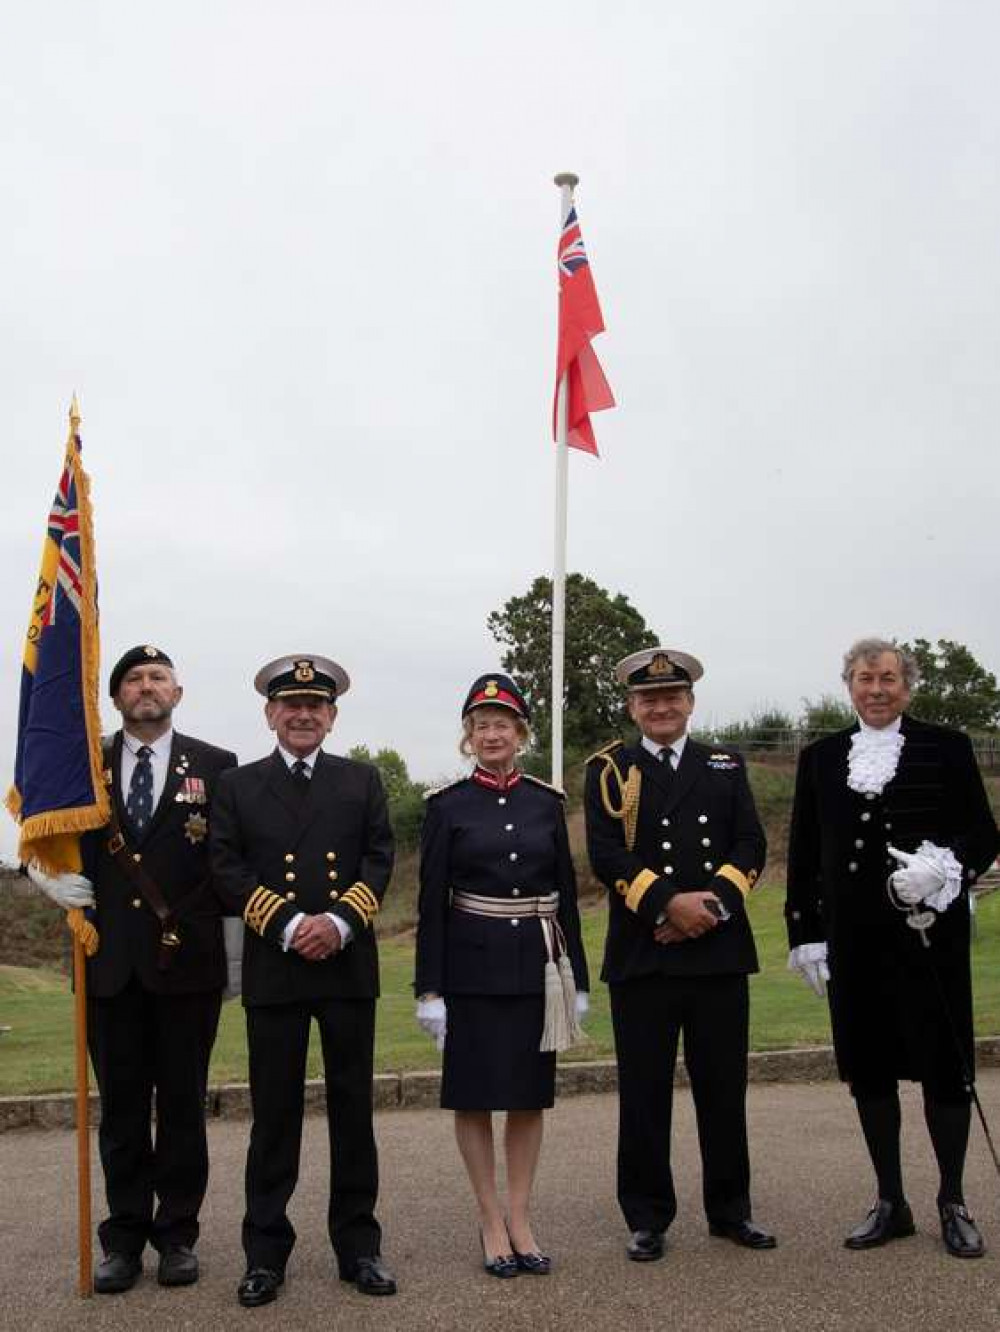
(465, 744)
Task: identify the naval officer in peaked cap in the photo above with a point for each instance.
(302, 848)
(673, 835)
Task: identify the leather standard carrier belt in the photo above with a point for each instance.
(170, 938)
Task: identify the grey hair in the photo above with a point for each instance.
(867, 649)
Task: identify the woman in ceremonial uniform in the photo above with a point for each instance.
(501, 973)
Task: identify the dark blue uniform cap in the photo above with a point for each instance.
(498, 691)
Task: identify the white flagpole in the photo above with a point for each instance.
(566, 181)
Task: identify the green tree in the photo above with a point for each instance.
(954, 688)
(826, 713)
(600, 630)
(404, 797)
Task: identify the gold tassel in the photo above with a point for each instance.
(82, 929)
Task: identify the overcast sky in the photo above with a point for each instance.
(297, 260)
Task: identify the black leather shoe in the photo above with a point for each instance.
(178, 1266)
(747, 1233)
(886, 1221)
(259, 1286)
(960, 1233)
(646, 1246)
(538, 1264)
(117, 1273)
(370, 1276)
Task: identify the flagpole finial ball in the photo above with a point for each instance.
(567, 178)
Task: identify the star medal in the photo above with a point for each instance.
(195, 828)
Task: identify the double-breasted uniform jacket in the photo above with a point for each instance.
(507, 844)
(888, 994)
(653, 832)
(277, 852)
(173, 851)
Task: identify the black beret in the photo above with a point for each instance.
(137, 656)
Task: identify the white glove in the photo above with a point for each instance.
(66, 890)
(582, 1003)
(432, 1018)
(232, 939)
(809, 961)
(918, 879)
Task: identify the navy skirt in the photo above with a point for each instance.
(491, 1055)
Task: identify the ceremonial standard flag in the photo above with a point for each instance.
(58, 790)
(579, 322)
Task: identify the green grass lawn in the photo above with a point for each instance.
(37, 1054)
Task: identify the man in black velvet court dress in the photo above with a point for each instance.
(890, 827)
(303, 849)
(673, 835)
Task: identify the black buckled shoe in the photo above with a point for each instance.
(258, 1286)
(745, 1233)
(178, 1266)
(646, 1246)
(370, 1276)
(886, 1221)
(117, 1273)
(960, 1233)
(538, 1264)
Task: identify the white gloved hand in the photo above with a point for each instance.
(432, 1017)
(809, 961)
(918, 879)
(66, 890)
(582, 1003)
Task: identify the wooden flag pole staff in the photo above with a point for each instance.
(566, 182)
(86, 1274)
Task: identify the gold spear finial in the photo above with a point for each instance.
(74, 416)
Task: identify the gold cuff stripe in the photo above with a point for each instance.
(363, 900)
(736, 877)
(261, 908)
(638, 888)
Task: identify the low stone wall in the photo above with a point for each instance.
(420, 1091)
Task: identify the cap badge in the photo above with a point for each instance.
(492, 689)
(151, 651)
(661, 665)
(304, 672)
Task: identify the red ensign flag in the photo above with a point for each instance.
(579, 321)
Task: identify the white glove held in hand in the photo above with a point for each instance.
(432, 1018)
(809, 960)
(919, 878)
(66, 890)
(582, 1003)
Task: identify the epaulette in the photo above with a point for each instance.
(546, 786)
(436, 790)
(605, 750)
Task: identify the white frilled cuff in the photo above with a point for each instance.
(946, 863)
(807, 952)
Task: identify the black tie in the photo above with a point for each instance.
(300, 776)
(665, 756)
(139, 806)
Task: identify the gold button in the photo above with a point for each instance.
(333, 894)
(331, 874)
(136, 856)
(290, 876)
(331, 855)
(290, 896)
(137, 902)
(289, 857)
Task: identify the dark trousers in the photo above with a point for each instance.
(278, 1039)
(140, 1044)
(649, 1015)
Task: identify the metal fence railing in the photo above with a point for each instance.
(762, 740)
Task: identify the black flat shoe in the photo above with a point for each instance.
(178, 1266)
(645, 1246)
(503, 1266)
(886, 1221)
(370, 1276)
(259, 1286)
(960, 1233)
(745, 1233)
(538, 1264)
(117, 1273)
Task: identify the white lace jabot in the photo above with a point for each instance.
(874, 757)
